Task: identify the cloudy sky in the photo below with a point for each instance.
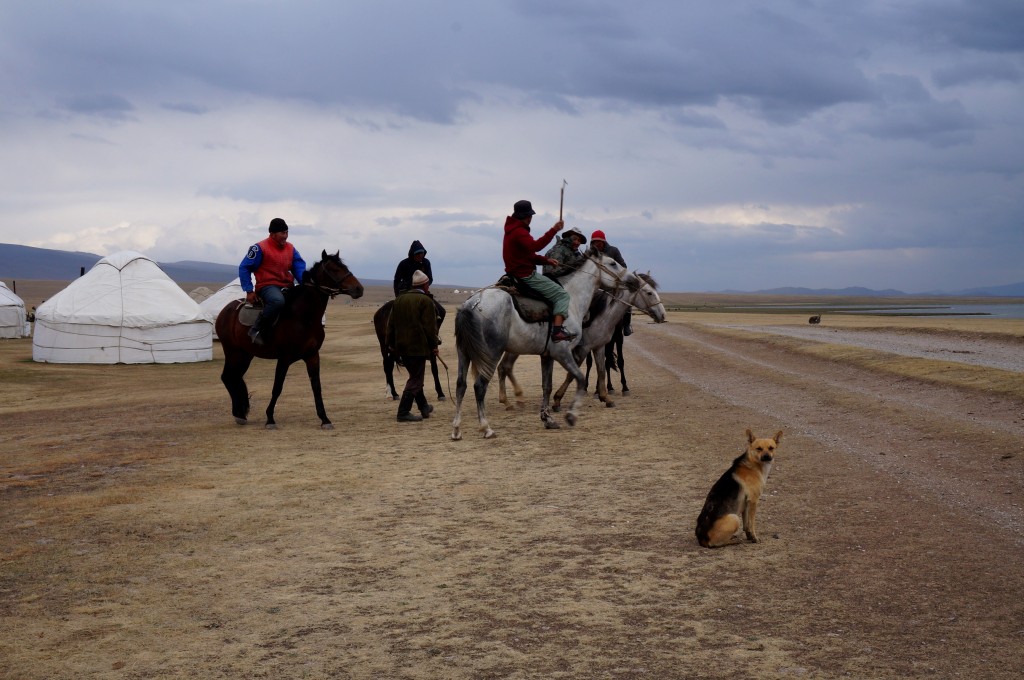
(721, 145)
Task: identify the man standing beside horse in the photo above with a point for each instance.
(519, 251)
(276, 265)
(412, 334)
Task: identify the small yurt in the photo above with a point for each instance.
(212, 305)
(125, 310)
(12, 314)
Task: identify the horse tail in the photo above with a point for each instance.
(470, 341)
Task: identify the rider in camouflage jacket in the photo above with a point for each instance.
(566, 251)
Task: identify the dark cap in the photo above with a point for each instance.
(523, 209)
(277, 224)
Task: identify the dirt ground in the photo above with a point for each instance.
(145, 535)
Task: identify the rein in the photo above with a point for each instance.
(332, 292)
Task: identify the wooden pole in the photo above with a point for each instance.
(561, 201)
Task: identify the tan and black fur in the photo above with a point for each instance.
(731, 504)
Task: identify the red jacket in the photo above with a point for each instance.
(520, 249)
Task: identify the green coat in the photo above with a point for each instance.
(412, 328)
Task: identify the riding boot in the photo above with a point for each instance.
(421, 403)
(404, 413)
(254, 332)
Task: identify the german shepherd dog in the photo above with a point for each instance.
(732, 502)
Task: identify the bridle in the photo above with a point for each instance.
(329, 290)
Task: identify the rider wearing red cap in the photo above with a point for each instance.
(600, 243)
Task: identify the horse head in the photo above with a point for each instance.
(646, 298)
(612, 276)
(332, 276)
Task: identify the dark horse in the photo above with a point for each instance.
(380, 326)
(613, 358)
(298, 334)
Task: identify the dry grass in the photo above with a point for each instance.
(145, 535)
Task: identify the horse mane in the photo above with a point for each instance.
(648, 279)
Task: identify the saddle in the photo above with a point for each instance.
(532, 308)
(247, 314)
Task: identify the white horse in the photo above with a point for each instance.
(487, 325)
(606, 310)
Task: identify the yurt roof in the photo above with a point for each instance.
(125, 289)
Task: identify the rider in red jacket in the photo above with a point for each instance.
(519, 251)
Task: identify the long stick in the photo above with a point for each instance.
(561, 201)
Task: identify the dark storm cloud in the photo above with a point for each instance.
(112, 106)
(424, 66)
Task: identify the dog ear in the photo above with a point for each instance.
(750, 436)
(778, 436)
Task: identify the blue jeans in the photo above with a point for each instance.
(273, 303)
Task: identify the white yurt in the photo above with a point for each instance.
(212, 305)
(12, 314)
(125, 310)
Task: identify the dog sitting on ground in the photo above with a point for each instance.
(731, 504)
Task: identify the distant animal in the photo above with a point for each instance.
(298, 334)
(731, 504)
(380, 327)
(815, 319)
(487, 325)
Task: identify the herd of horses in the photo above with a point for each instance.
(490, 334)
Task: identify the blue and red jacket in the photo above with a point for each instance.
(271, 264)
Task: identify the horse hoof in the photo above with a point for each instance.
(625, 392)
(552, 425)
(609, 404)
(571, 419)
(441, 397)
(490, 434)
(556, 407)
(241, 421)
(271, 426)
(327, 426)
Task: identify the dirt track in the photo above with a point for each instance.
(157, 539)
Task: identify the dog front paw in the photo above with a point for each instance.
(752, 538)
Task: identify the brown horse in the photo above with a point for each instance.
(298, 334)
(380, 327)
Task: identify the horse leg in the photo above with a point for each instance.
(505, 371)
(460, 392)
(235, 366)
(573, 368)
(313, 371)
(600, 359)
(621, 360)
(480, 391)
(389, 375)
(279, 373)
(437, 380)
(547, 365)
(504, 367)
(556, 402)
(609, 363)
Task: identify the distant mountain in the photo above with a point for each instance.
(845, 292)
(26, 262)
(1009, 290)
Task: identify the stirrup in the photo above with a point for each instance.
(559, 334)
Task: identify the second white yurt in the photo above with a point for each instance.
(125, 310)
(12, 314)
(212, 305)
